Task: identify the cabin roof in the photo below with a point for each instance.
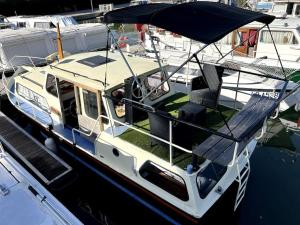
(33, 79)
(88, 69)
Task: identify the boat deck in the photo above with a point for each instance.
(172, 105)
(38, 158)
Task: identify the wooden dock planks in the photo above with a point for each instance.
(37, 157)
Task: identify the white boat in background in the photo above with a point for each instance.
(284, 8)
(5, 24)
(41, 43)
(23, 200)
(286, 34)
(45, 22)
(257, 53)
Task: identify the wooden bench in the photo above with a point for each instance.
(243, 126)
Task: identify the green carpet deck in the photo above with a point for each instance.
(290, 115)
(171, 105)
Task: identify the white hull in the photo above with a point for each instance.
(122, 156)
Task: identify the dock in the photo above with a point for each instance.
(44, 163)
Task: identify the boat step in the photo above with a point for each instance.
(242, 180)
(45, 164)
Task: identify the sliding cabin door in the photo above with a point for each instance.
(67, 98)
(90, 107)
(53, 98)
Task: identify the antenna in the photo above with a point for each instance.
(59, 44)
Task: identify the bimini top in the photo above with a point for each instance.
(206, 22)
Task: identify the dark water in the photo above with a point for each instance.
(272, 196)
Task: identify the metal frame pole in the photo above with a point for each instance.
(178, 68)
(276, 51)
(122, 54)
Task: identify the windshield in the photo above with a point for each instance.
(279, 8)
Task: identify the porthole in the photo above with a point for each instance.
(115, 152)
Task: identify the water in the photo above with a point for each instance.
(273, 193)
(272, 196)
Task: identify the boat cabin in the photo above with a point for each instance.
(286, 34)
(286, 8)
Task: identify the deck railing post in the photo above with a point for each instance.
(74, 138)
(237, 87)
(33, 113)
(1, 149)
(170, 142)
(234, 154)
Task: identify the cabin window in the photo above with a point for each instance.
(90, 104)
(21, 24)
(119, 105)
(280, 37)
(297, 10)
(32, 97)
(152, 82)
(208, 178)
(51, 86)
(42, 25)
(165, 179)
(279, 8)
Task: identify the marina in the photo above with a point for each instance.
(176, 135)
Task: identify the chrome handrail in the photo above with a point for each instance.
(84, 133)
(30, 58)
(139, 103)
(148, 134)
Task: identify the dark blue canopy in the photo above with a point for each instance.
(206, 22)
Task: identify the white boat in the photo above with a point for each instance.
(285, 33)
(283, 8)
(122, 112)
(5, 23)
(45, 22)
(23, 200)
(41, 43)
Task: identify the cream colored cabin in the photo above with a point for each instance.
(76, 86)
(85, 96)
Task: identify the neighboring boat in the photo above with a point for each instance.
(260, 56)
(284, 31)
(184, 151)
(5, 24)
(23, 200)
(283, 8)
(41, 43)
(45, 22)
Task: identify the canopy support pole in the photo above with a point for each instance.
(276, 51)
(240, 44)
(157, 56)
(218, 50)
(127, 64)
(185, 62)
